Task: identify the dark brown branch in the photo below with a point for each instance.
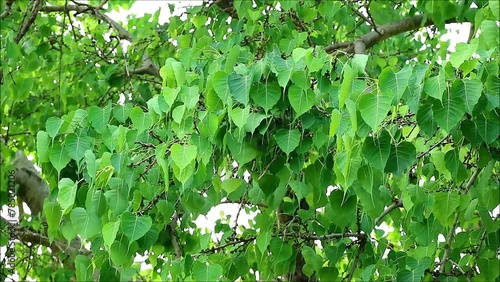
(383, 32)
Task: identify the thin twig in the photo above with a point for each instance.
(451, 234)
(432, 147)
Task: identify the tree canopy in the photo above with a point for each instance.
(366, 149)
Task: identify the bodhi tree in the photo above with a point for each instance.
(365, 148)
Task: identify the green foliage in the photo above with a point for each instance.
(355, 166)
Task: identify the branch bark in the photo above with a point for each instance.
(383, 32)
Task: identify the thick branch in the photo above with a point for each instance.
(383, 32)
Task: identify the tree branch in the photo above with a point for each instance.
(390, 208)
(383, 32)
(148, 67)
(451, 234)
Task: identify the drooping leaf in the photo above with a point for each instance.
(141, 120)
(374, 107)
(206, 271)
(469, 90)
(449, 112)
(402, 156)
(183, 155)
(266, 95)
(393, 84)
(86, 224)
(287, 140)
(134, 227)
(239, 87)
(301, 100)
(376, 150)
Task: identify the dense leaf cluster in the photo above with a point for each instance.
(378, 166)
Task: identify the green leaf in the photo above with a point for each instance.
(469, 90)
(402, 156)
(377, 150)
(301, 101)
(206, 271)
(76, 146)
(280, 250)
(446, 204)
(463, 52)
(99, 117)
(343, 208)
(134, 227)
(239, 116)
(86, 224)
(221, 86)
(348, 75)
(67, 193)
(84, 269)
(374, 107)
(53, 215)
(183, 155)
(109, 231)
(173, 73)
(58, 157)
(170, 95)
(435, 86)
(53, 125)
(232, 184)
(263, 240)
(120, 253)
(121, 112)
(253, 121)
(393, 84)
(488, 126)
(42, 146)
(239, 87)
(243, 152)
(335, 119)
(178, 113)
(425, 119)
(266, 95)
(141, 120)
(287, 140)
(232, 58)
(449, 112)
(190, 96)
